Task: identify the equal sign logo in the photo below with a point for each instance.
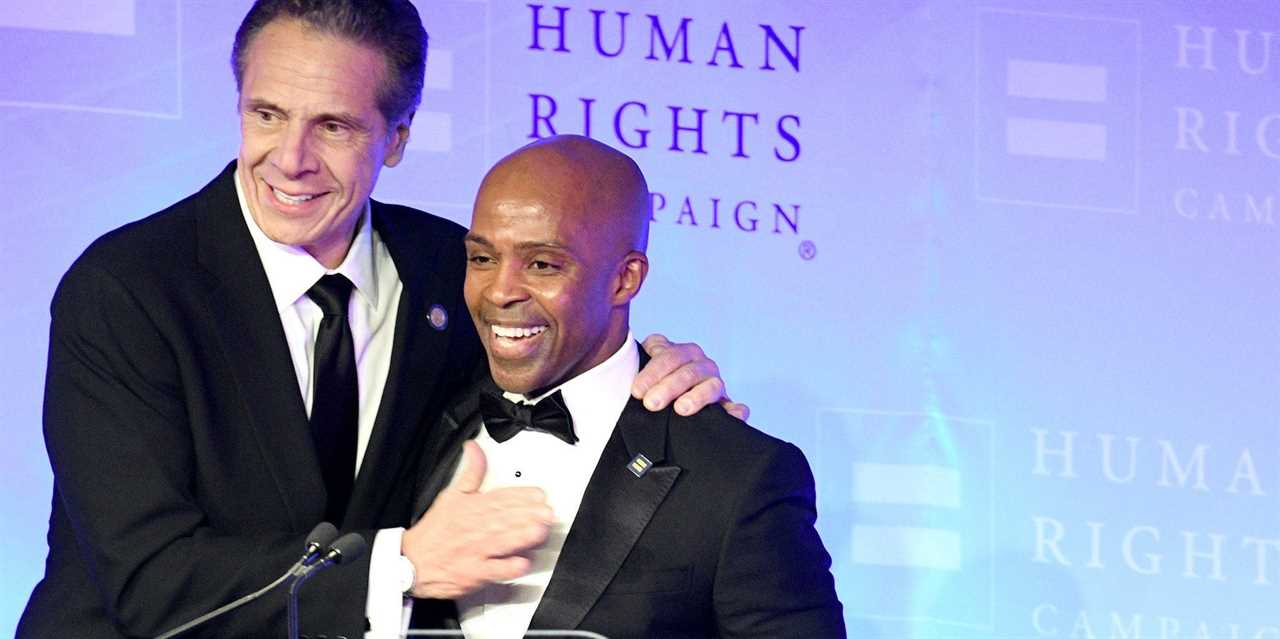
(1057, 116)
(1049, 138)
(905, 503)
(908, 546)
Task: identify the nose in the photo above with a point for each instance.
(506, 286)
(293, 156)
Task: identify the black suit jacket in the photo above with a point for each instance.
(716, 539)
(184, 473)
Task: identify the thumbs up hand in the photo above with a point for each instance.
(469, 538)
(471, 469)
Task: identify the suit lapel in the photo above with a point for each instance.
(615, 510)
(417, 352)
(248, 326)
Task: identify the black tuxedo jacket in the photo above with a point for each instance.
(184, 473)
(715, 539)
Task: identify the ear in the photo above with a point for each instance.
(399, 139)
(630, 277)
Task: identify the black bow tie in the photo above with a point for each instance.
(504, 418)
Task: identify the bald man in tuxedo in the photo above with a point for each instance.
(664, 525)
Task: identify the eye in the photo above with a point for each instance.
(543, 265)
(333, 127)
(266, 117)
(479, 260)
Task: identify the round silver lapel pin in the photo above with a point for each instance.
(439, 317)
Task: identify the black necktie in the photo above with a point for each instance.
(504, 418)
(335, 404)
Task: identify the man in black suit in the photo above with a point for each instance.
(666, 526)
(269, 353)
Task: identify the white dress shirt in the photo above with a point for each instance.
(371, 313)
(595, 399)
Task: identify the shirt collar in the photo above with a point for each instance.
(292, 271)
(609, 378)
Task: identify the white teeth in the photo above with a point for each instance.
(516, 332)
(291, 199)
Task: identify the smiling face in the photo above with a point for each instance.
(552, 265)
(312, 137)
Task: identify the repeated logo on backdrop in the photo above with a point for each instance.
(1054, 114)
(918, 489)
(1061, 105)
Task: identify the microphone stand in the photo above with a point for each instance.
(346, 548)
(319, 538)
(303, 574)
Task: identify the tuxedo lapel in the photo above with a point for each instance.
(615, 510)
(418, 350)
(248, 327)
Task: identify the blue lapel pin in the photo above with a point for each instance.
(438, 317)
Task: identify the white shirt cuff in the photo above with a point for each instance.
(387, 608)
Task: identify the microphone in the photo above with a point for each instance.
(320, 537)
(348, 547)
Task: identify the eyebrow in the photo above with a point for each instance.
(476, 239)
(253, 104)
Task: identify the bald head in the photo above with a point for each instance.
(597, 184)
(554, 256)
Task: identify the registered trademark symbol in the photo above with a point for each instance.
(808, 250)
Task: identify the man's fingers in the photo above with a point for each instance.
(506, 568)
(471, 469)
(684, 374)
(500, 516)
(657, 368)
(708, 391)
(515, 493)
(503, 541)
(496, 569)
(515, 540)
(477, 524)
(741, 411)
(655, 343)
(686, 382)
(467, 539)
(674, 369)
(479, 574)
